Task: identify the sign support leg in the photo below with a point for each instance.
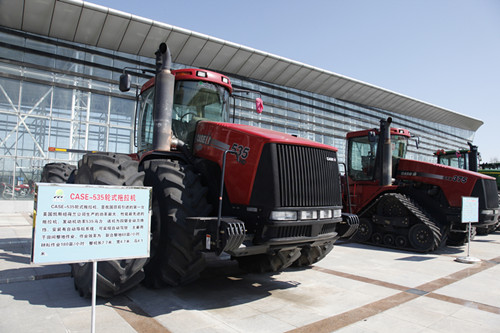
(94, 292)
(468, 259)
(468, 240)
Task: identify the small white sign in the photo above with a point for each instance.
(81, 223)
(470, 210)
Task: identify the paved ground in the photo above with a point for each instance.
(356, 288)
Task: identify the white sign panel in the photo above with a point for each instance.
(470, 210)
(80, 223)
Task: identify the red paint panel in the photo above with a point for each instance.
(213, 138)
(454, 182)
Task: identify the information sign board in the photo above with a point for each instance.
(81, 223)
(470, 210)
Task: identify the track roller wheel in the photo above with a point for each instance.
(401, 242)
(377, 238)
(389, 239)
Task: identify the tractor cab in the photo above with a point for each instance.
(467, 159)
(457, 158)
(364, 157)
(199, 95)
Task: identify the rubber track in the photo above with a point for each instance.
(417, 212)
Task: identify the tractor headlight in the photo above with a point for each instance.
(337, 212)
(283, 215)
(325, 214)
(308, 214)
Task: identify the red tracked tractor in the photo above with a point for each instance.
(468, 159)
(408, 204)
(268, 199)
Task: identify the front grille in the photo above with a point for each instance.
(491, 192)
(293, 231)
(308, 177)
(299, 230)
(328, 228)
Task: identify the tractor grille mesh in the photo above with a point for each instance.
(491, 191)
(293, 231)
(308, 176)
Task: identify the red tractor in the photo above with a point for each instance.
(267, 199)
(468, 159)
(408, 204)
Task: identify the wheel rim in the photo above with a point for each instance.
(364, 231)
(421, 237)
(377, 238)
(401, 241)
(389, 239)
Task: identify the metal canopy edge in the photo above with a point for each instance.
(95, 25)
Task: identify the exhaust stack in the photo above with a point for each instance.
(385, 137)
(164, 99)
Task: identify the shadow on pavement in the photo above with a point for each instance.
(222, 284)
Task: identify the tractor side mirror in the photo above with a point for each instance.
(372, 137)
(259, 105)
(125, 82)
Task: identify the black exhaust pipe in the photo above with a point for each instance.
(385, 137)
(164, 99)
(473, 157)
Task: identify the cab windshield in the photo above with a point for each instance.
(399, 146)
(193, 101)
(362, 153)
(202, 100)
(456, 160)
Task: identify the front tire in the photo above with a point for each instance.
(269, 262)
(115, 276)
(178, 193)
(312, 254)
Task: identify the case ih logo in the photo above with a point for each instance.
(455, 178)
(203, 139)
(330, 159)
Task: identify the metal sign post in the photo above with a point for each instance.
(94, 294)
(470, 214)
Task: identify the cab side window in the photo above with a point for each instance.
(362, 154)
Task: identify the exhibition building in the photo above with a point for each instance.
(60, 63)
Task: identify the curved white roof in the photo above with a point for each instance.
(95, 25)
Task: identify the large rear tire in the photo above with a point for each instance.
(178, 193)
(115, 276)
(58, 173)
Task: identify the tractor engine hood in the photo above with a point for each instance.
(454, 182)
(245, 144)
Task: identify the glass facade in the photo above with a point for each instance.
(59, 94)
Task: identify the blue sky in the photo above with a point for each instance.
(444, 52)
